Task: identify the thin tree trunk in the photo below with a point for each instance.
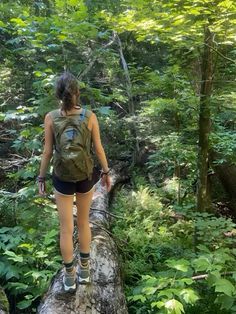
(204, 122)
(131, 102)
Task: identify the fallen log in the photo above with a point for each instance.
(105, 294)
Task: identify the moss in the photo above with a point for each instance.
(4, 305)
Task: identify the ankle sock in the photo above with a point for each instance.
(69, 266)
(84, 258)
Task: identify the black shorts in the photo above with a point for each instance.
(70, 188)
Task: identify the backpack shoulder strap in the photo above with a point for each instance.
(85, 115)
(55, 114)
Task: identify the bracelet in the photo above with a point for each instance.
(105, 173)
(41, 179)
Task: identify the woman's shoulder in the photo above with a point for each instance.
(54, 113)
(51, 115)
(91, 116)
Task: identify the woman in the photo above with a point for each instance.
(68, 92)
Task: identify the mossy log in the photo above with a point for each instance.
(105, 294)
(4, 305)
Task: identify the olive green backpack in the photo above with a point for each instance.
(72, 160)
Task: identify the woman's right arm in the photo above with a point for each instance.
(99, 151)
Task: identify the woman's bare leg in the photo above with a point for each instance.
(65, 210)
(83, 203)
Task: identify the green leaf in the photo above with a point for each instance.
(72, 2)
(189, 296)
(12, 256)
(225, 301)
(4, 229)
(203, 248)
(202, 264)
(158, 304)
(28, 246)
(19, 22)
(2, 269)
(41, 254)
(2, 24)
(187, 281)
(149, 290)
(169, 293)
(225, 286)
(18, 286)
(60, 3)
(12, 271)
(23, 304)
(174, 307)
(181, 264)
(50, 237)
(39, 73)
(213, 277)
(138, 297)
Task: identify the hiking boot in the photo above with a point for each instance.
(84, 274)
(69, 281)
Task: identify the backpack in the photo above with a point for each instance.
(72, 160)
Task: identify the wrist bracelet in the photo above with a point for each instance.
(41, 179)
(105, 173)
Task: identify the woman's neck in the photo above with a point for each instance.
(73, 110)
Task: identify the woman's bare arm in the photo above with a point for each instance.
(48, 146)
(98, 148)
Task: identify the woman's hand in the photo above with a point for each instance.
(106, 181)
(42, 186)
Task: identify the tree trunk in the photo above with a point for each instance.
(226, 174)
(105, 294)
(133, 127)
(204, 123)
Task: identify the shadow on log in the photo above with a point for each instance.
(105, 294)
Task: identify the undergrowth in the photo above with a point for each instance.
(173, 261)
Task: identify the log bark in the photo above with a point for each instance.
(105, 294)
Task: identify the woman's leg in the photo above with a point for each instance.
(83, 203)
(65, 210)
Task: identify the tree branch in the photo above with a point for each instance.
(221, 54)
(205, 276)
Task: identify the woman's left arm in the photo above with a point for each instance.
(48, 149)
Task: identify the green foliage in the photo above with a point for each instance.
(29, 252)
(4, 305)
(162, 267)
(27, 264)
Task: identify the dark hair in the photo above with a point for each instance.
(66, 87)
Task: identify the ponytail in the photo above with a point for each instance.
(66, 88)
